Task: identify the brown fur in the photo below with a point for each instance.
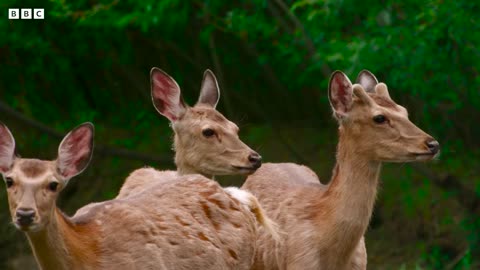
(194, 153)
(384, 102)
(32, 168)
(148, 229)
(324, 225)
(81, 246)
(222, 153)
(173, 222)
(206, 112)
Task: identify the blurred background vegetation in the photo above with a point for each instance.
(89, 60)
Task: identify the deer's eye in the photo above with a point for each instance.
(52, 186)
(9, 181)
(208, 132)
(379, 119)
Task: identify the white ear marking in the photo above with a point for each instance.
(241, 195)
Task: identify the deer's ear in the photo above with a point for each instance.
(7, 149)
(340, 94)
(367, 80)
(75, 151)
(166, 95)
(210, 92)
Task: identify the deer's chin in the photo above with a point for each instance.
(425, 157)
(411, 157)
(244, 169)
(34, 227)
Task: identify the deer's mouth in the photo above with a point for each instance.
(425, 156)
(27, 228)
(245, 169)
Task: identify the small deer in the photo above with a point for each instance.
(325, 225)
(186, 222)
(205, 141)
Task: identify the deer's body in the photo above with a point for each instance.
(155, 229)
(180, 222)
(317, 234)
(324, 225)
(140, 180)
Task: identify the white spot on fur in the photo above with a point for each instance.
(248, 200)
(243, 196)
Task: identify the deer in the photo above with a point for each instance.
(324, 225)
(185, 222)
(205, 141)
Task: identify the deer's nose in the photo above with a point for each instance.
(25, 216)
(433, 146)
(255, 159)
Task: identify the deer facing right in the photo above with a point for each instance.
(324, 225)
(205, 141)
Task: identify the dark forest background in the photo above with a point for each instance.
(89, 60)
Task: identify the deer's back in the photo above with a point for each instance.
(187, 223)
(142, 179)
(274, 182)
(286, 192)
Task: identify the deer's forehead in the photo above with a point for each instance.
(32, 170)
(207, 113)
(208, 117)
(393, 111)
(383, 104)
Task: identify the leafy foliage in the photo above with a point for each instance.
(89, 61)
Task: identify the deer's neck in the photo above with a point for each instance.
(350, 197)
(180, 147)
(63, 245)
(183, 169)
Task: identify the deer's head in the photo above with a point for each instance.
(205, 141)
(33, 185)
(378, 128)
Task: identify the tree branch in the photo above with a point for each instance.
(312, 51)
(101, 149)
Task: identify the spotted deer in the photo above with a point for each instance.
(205, 142)
(325, 225)
(185, 222)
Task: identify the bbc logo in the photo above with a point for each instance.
(26, 13)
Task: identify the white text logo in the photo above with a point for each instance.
(26, 13)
